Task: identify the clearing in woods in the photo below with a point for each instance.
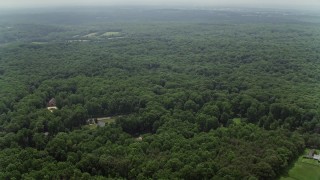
(107, 120)
(90, 35)
(111, 34)
(304, 169)
(39, 43)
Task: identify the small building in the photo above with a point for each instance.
(140, 138)
(92, 121)
(52, 105)
(316, 157)
(312, 155)
(101, 123)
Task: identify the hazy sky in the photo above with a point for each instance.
(199, 3)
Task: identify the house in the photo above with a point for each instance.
(52, 105)
(97, 121)
(92, 121)
(52, 102)
(316, 157)
(312, 155)
(140, 138)
(101, 123)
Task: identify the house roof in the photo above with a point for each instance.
(312, 152)
(317, 157)
(52, 102)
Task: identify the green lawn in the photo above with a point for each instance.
(237, 120)
(90, 35)
(91, 126)
(111, 34)
(39, 43)
(108, 119)
(304, 169)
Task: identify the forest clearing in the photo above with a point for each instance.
(303, 169)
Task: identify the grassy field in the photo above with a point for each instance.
(90, 35)
(91, 126)
(39, 43)
(304, 169)
(107, 120)
(111, 34)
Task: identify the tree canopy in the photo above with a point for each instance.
(195, 94)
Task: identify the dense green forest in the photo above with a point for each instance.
(196, 94)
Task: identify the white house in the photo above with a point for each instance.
(317, 157)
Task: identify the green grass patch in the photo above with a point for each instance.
(108, 119)
(39, 43)
(236, 120)
(111, 34)
(90, 35)
(304, 169)
(91, 126)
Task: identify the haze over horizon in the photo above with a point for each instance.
(295, 4)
